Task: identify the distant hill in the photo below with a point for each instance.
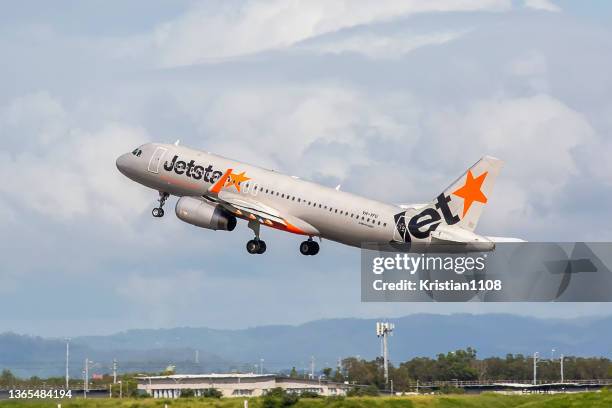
(284, 346)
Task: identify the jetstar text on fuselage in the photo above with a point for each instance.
(192, 170)
(422, 224)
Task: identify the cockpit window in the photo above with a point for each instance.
(137, 152)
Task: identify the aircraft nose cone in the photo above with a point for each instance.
(123, 163)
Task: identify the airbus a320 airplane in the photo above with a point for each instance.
(215, 191)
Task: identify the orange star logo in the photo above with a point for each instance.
(235, 180)
(471, 191)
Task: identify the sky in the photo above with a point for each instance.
(399, 95)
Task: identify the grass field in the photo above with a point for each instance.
(587, 400)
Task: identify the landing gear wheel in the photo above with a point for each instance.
(256, 246)
(159, 211)
(309, 248)
(314, 248)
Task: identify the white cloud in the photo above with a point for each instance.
(536, 136)
(252, 26)
(383, 46)
(545, 5)
(533, 63)
(34, 119)
(61, 170)
(532, 70)
(284, 125)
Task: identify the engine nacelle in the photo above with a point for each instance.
(202, 214)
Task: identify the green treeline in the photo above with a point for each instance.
(464, 365)
(460, 365)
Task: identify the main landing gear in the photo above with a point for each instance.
(255, 246)
(309, 247)
(158, 212)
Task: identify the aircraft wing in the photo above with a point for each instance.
(251, 209)
(248, 207)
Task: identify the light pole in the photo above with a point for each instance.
(67, 361)
(535, 367)
(86, 377)
(561, 361)
(383, 330)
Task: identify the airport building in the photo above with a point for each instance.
(236, 385)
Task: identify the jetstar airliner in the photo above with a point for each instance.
(215, 192)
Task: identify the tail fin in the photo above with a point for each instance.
(467, 195)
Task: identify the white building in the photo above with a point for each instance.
(235, 385)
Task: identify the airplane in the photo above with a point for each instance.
(214, 192)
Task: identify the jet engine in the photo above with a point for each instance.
(206, 215)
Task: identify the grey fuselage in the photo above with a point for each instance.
(336, 215)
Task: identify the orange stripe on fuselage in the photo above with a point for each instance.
(219, 184)
(291, 228)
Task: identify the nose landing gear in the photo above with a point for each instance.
(309, 247)
(158, 212)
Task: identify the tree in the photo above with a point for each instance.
(370, 390)
(293, 373)
(327, 372)
(211, 393)
(279, 398)
(7, 378)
